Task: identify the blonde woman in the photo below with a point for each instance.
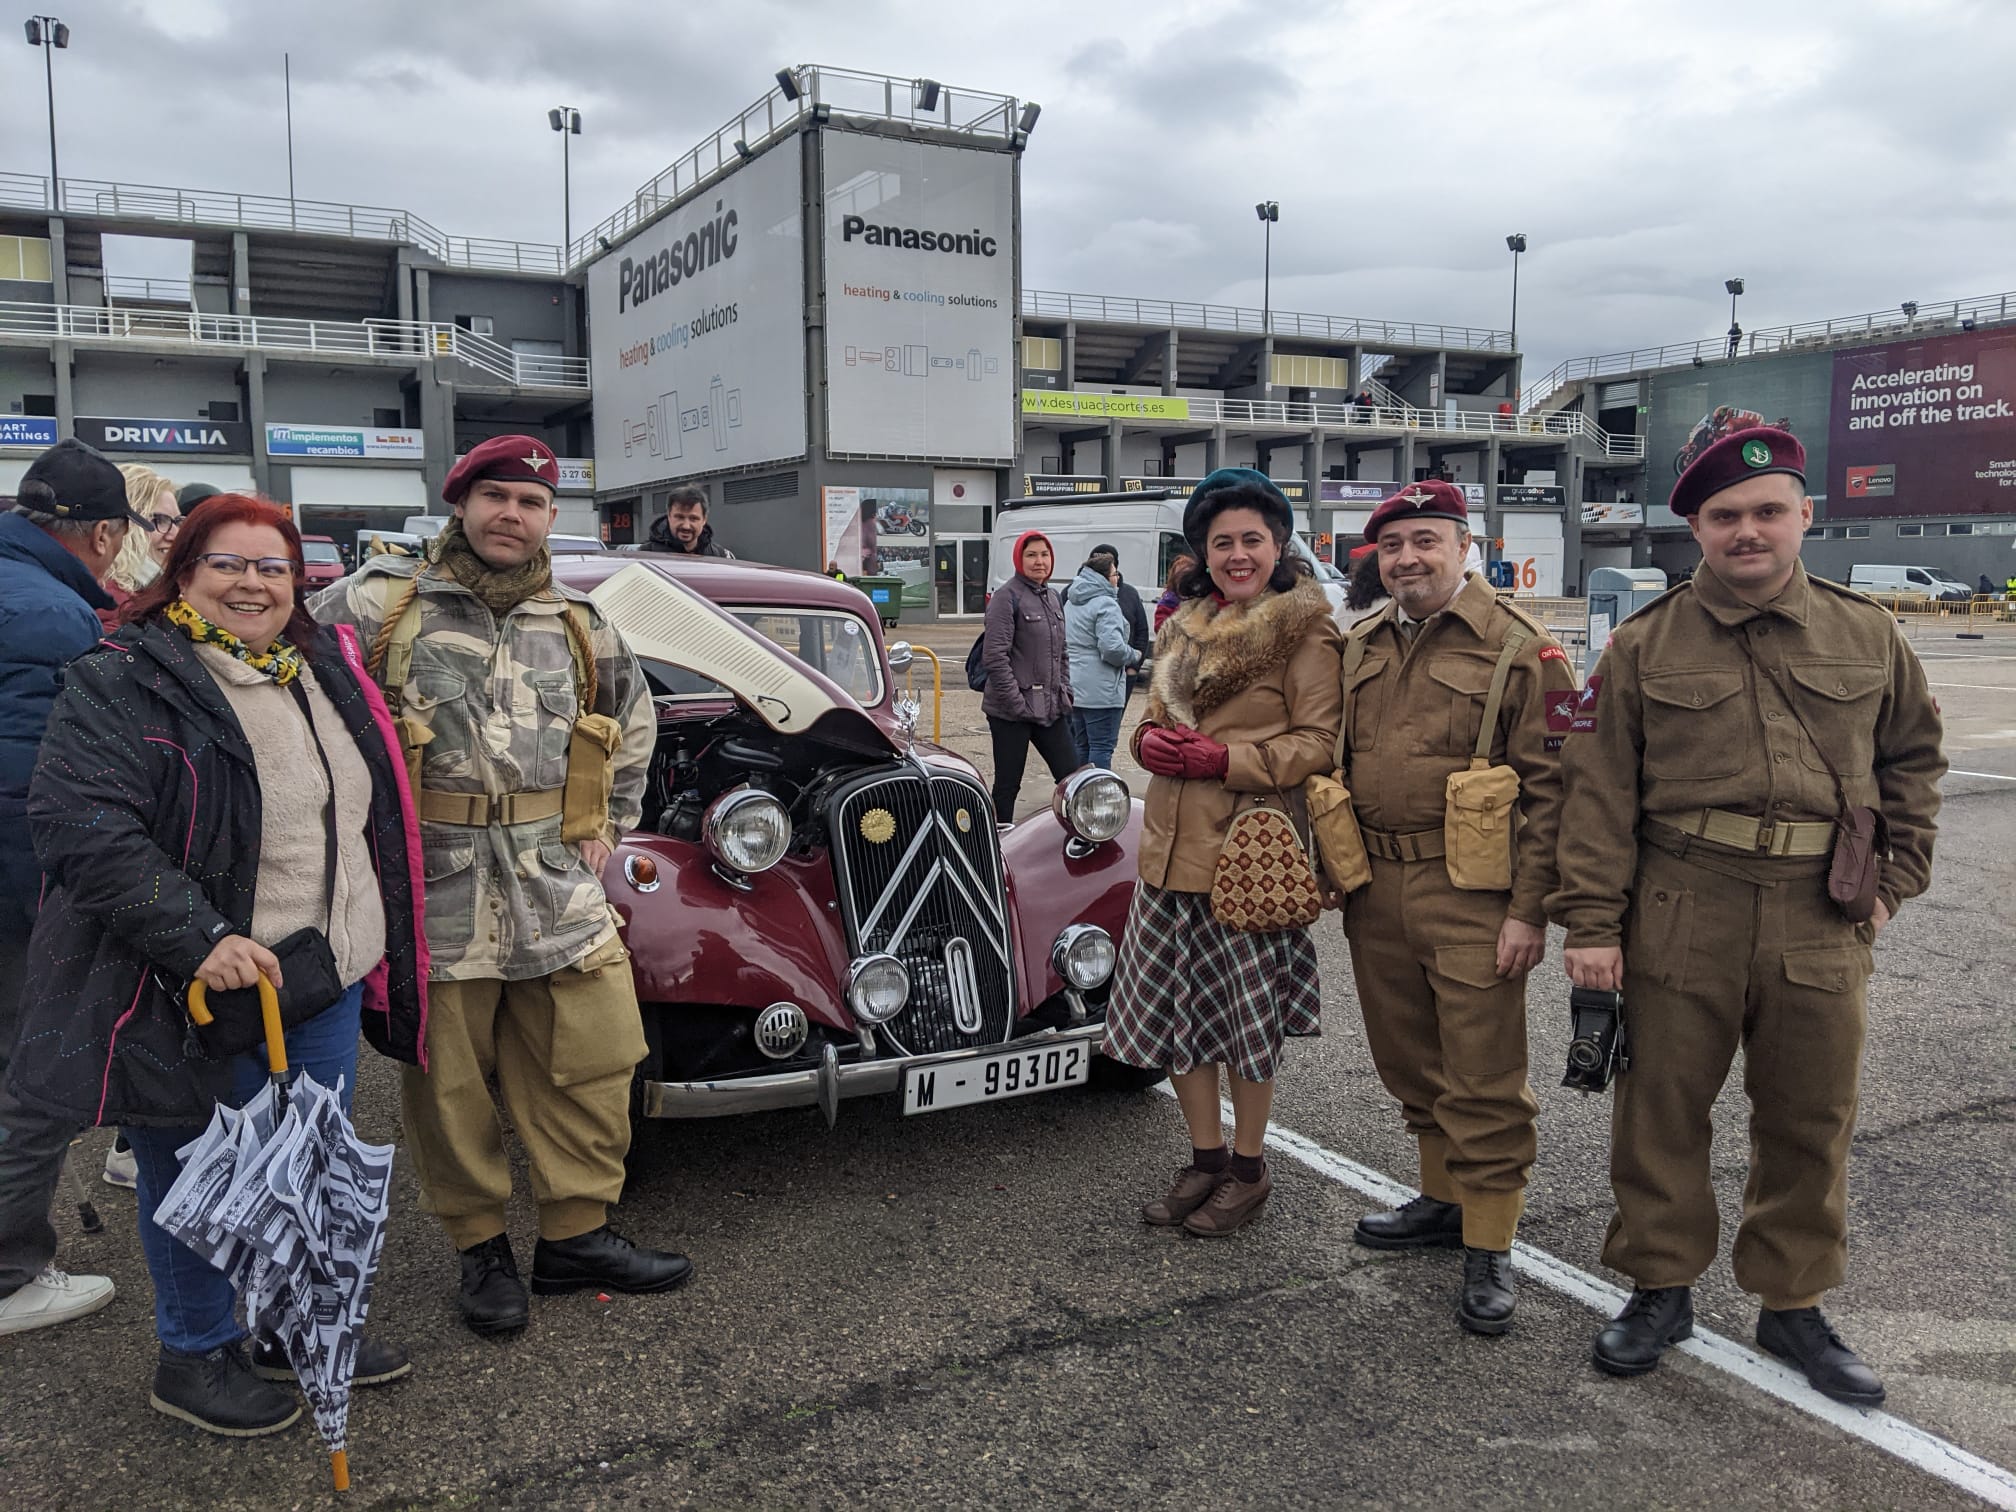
(152, 498)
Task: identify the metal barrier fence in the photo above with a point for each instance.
(1981, 609)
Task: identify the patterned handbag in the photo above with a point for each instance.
(1265, 881)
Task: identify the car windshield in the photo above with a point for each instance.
(832, 642)
(321, 551)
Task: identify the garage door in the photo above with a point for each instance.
(389, 488)
(1533, 547)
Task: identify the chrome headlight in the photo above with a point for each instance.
(748, 830)
(1092, 804)
(877, 988)
(1084, 956)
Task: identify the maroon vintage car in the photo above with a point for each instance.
(818, 904)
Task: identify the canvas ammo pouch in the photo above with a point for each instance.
(1480, 806)
(1340, 846)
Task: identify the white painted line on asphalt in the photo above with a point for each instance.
(1991, 776)
(1976, 687)
(1892, 1435)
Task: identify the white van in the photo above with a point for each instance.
(1878, 577)
(1146, 527)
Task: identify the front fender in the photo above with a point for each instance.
(1048, 889)
(698, 939)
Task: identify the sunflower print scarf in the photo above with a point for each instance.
(282, 663)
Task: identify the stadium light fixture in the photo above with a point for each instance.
(1269, 212)
(48, 33)
(787, 81)
(1910, 309)
(743, 150)
(927, 95)
(1515, 244)
(1735, 287)
(1029, 114)
(566, 120)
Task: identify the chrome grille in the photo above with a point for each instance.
(931, 895)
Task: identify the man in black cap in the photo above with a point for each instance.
(67, 524)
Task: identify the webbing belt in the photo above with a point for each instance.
(1410, 845)
(1740, 832)
(480, 809)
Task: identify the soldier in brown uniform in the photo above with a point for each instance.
(1446, 736)
(1694, 875)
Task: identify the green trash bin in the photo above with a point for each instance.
(886, 594)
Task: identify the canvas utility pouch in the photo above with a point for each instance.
(413, 737)
(1339, 845)
(1861, 839)
(591, 773)
(1477, 825)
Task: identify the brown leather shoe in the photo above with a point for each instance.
(1192, 1190)
(1231, 1208)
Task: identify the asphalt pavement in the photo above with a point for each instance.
(963, 1309)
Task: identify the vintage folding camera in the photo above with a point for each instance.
(1598, 1049)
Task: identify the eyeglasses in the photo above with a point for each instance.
(230, 564)
(163, 524)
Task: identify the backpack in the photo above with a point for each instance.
(976, 669)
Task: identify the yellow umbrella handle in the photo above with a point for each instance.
(339, 1469)
(269, 1015)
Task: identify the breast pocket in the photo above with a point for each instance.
(1461, 682)
(1695, 727)
(1839, 702)
(439, 700)
(556, 708)
(449, 856)
(1364, 697)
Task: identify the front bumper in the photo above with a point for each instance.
(827, 1084)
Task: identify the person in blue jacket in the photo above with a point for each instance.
(1100, 653)
(56, 542)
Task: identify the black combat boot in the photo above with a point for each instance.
(1420, 1224)
(604, 1260)
(377, 1363)
(1654, 1318)
(217, 1392)
(493, 1298)
(1488, 1299)
(1802, 1335)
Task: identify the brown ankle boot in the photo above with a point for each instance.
(1230, 1208)
(1192, 1190)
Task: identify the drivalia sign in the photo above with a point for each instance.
(121, 434)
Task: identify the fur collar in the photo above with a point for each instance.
(1206, 654)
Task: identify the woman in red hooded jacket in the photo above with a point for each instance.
(1028, 690)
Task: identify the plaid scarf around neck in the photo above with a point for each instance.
(281, 661)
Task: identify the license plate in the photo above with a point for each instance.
(990, 1078)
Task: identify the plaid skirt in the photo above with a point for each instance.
(1190, 992)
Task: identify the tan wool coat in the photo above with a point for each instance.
(1261, 678)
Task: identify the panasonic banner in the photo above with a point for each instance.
(920, 299)
(696, 330)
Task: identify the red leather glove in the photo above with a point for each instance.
(1182, 752)
(1203, 756)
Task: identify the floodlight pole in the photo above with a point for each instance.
(47, 26)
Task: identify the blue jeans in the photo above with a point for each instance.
(194, 1305)
(1096, 731)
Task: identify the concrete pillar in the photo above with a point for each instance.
(61, 355)
(241, 282)
(437, 424)
(255, 412)
(402, 286)
(1403, 459)
(1214, 450)
(1568, 473)
(1070, 354)
(1169, 363)
(59, 261)
(422, 304)
(1109, 455)
(1354, 359)
(1438, 391)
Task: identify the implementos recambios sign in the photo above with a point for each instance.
(343, 441)
(696, 331)
(920, 299)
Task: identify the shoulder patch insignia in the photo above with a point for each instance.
(1553, 653)
(1572, 713)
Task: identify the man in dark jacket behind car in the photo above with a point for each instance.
(59, 538)
(683, 529)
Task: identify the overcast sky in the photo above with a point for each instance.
(1840, 155)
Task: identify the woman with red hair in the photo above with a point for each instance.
(219, 797)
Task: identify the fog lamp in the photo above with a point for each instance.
(1084, 956)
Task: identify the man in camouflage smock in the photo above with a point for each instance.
(528, 730)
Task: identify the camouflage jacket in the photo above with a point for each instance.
(509, 901)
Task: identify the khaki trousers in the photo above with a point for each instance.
(562, 1049)
(1448, 1036)
(1722, 950)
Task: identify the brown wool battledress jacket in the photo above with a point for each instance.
(1676, 719)
(1261, 679)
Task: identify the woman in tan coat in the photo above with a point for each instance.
(1244, 703)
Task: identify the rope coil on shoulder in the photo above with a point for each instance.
(375, 662)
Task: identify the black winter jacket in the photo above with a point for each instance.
(145, 812)
(660, 538)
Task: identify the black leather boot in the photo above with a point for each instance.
(1802, 1335)
(604, 1260)
(219, 1394)
(1654, 1318)
(493, 1299)
(1423, 1223)
(377, 1364)
(1488, 1298)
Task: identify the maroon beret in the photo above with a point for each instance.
(1433, 500)
(1753, 453)
(508, 459)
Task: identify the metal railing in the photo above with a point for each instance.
(1163, 313)
(104, 199)
(1360, 419)
(408, 339)
(833, 91)
(152, 290)
(1891, 324)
